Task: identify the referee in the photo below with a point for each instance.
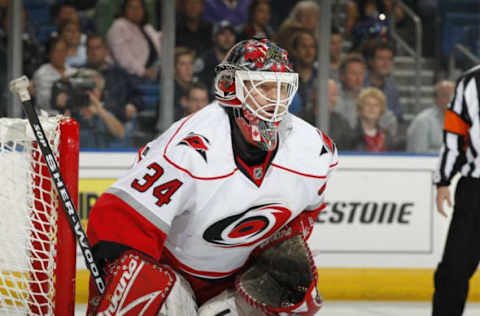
(460, 153)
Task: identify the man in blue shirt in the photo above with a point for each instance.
(380, 64)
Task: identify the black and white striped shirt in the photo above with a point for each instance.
(461, 135)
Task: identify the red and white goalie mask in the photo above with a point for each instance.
(257, 80)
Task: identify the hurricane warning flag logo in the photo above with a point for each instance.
(197, 142)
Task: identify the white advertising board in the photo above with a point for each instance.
(381, 214)
(374, 211)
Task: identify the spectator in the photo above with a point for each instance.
(339, 129)
(33, 52)
(380, 64)
(184, 57)
(134, 44)
(369, 136)
(69, 31)
(67, 11)
(195, 99)
(50, 72)
(258, 20)
(368, 19)
(425, 133)
(192, 30)
(305, 15)
(352, 80)
(234, 11)
(98, 127)
(304, 56)
(336, 49)
(63, 12)
(119, 93)
(224, 37)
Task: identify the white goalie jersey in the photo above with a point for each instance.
(190, 186)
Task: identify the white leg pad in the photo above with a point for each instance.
(228, 303)
(181, 300)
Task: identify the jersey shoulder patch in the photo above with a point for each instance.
(307, 150)
(200, 145)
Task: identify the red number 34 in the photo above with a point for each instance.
(162, 192)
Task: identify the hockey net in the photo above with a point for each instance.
(37, 261)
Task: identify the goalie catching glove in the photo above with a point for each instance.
(283, 278)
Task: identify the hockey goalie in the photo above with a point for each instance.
(214, 216)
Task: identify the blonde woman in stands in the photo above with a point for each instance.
(134, 43)
(369, 135)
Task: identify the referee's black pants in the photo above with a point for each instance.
(462, 251)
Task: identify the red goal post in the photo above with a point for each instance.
(38, 261)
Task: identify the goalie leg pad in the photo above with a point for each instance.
(181, 300)
(228, 303)
(222, 304)
(136, 285)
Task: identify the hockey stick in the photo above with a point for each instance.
(20, 88)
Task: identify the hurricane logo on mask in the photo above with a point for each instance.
(250, 227)
(197, 142)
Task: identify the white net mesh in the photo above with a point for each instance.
(28, 215)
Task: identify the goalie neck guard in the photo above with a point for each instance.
(258, 81)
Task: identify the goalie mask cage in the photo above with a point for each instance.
(38, 249)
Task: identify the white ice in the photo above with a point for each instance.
(341, 308)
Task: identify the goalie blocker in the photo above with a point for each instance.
(134, 285)
(137, 285)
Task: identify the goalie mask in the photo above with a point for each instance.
(258, 82)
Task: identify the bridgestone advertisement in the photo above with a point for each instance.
(382, 211)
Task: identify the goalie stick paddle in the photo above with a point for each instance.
(20, 87)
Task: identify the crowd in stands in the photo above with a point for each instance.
(99, 61)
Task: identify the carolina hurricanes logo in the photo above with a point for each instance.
(252, 226)
(197, 142)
